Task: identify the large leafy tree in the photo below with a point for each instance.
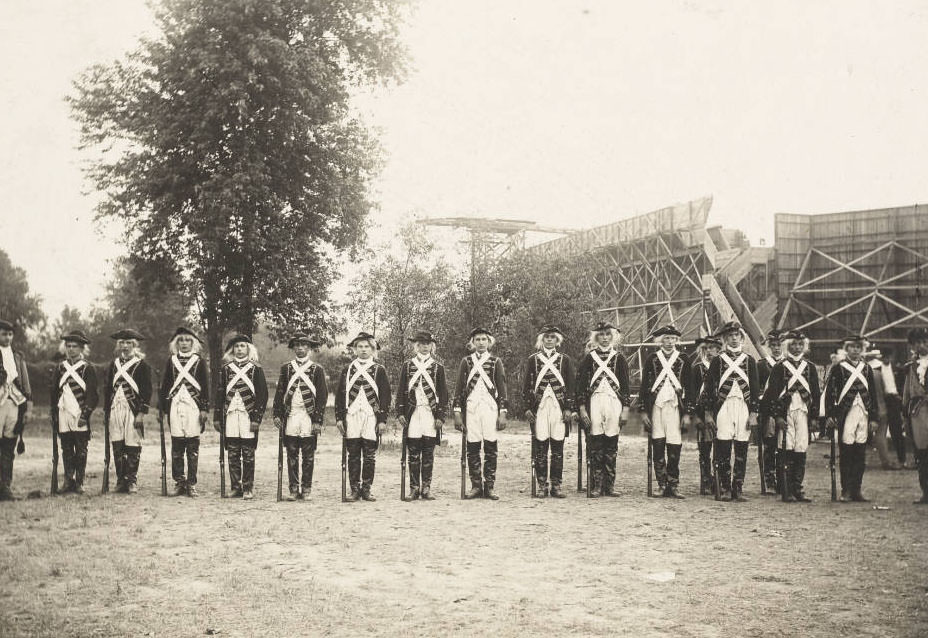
(17, 305)
(227, 144)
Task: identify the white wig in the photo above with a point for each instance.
(85, 350)
(196, 349)
(415, 350)
(539, 342)
(470, 342)
(136, 349)
(252, 353)
(616, 336)
(805, 345)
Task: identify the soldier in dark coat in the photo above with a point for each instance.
(421, 408)
(663, 402)
(74, 397)
(765, 420)
(915, 404)
(548, 394)
(242, 402)
(362, 404)
(792, 400)
(15, 405)
(127, 391)
(184, 399)
(707, 349)
(481, 410)
(851, 408)
(299, 407)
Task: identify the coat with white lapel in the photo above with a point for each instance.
(780, 388)
(650, 372)
(138, 402)
(837, 406)
(258, 401)
(406, 396)
(316, 376)
(383, 396)
(199, 371)
(494, 370)
(588, 369)
(715, 391)
(88, 398)
(533, 389)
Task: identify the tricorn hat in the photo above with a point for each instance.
(480, 331)
(709, 340)
(669, 329)
(422, 336)
(774, 335)
(183, 330)
(603, 325)
(550, 328)
(731, 326)
(127, 333)
(364, 336)
(6, 325)
(853, 338)
(239, 338)
(302, 337)
(793, 335)
(76, 336)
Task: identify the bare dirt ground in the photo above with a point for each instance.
(143, 565)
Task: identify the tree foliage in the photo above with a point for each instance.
(17, 305)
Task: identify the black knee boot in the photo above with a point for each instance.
(80, 459)
(428, 462)
(67, 460)
(308, 450)
(193, 463)
(860, 464)
(354, 467)
(7, 454)
(922, 458)
(610, 456)
(292, 445)
(119, 462)
(660, 465)
(369, 452)
(248, 467)
(557, 467)
(596, 453)
(474, 469)
(797, 472)
(133, 457)
(741, 464)
(414, 447)
(845, 462)
(723, 467)
(771, 459)
(234, 448)
(705, 467)
(489, 469)
(673, 470)
(541, 465)
(178, 451)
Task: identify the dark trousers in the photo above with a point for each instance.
(421, 461)
(241, 463)
(922, 457)
(852, 464)
(603, 453)
(490, 452)
(705, 464)
(74, 456)
(731, 478)
(771, 452)
(181, 447)
(894, 416)
(297, 445)
(126, 458)
(360, 479)
(794, 464)
(541, 461)
(7, 454)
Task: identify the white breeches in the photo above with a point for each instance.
(732, 420)
(361, 422)
(797, 430)
(549, 420)
(299, 423)
(69, 412)
(9, 412)
(482, 413)
(665, 423)
(122, 421)
(184, 417)
(855, 425)
(422, 423)
(605, 413)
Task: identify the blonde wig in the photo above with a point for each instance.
(252, 353)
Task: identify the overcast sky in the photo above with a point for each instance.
(569, 113)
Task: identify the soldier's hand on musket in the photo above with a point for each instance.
(340, 426)
(379, 428)
(585, 418)
(698, 423)
(255, 426)
(779, 424)
(439, 424)
(82, 423)
(529, 416)
(317, 429)
(829, 426)
(685, 424)
(277, 422)
(402, 419)
(204, 419)
(501, 420)
(873, 429)
(646, 422)
(458, 421)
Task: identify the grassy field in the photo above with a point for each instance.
(143, 565)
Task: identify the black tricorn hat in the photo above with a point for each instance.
(917, 334)
(709, 340)
(127, 333)
(603, 325)
(774, 335)
(422, 336)
(853, 339)
(793, 335)
(550, 328)
(669, 329)
(480, 331)
(6, 325)
(76, 336)
(183, 330)
(302, 337)
(237, 339)
(731, 326)
(364, 336)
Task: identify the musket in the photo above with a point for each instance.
(222, 447)
(403, 465)
(344, 470)
(106, 451)
(463, 461)
(701, 438)
(589, 468)
(164, 464)
(280, 458)
(781, 461)
(715, 470)
(831, 467)
(54, 419)
(579, 460)
(760, 455)
(531, 427)
(650, 466)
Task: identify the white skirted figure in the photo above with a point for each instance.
(792, 400)
(242, 402)
(730, 400)
(362, 404)
(548, 394)
(707, 349)
(126, 394)
(15, 405)
(74, 397)
(480, 410)
(765, 419)
(665, 407)
(602, 392)
(184, 399)
(915, 404)
(421, 408)
(299, 407)
(851, 408)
